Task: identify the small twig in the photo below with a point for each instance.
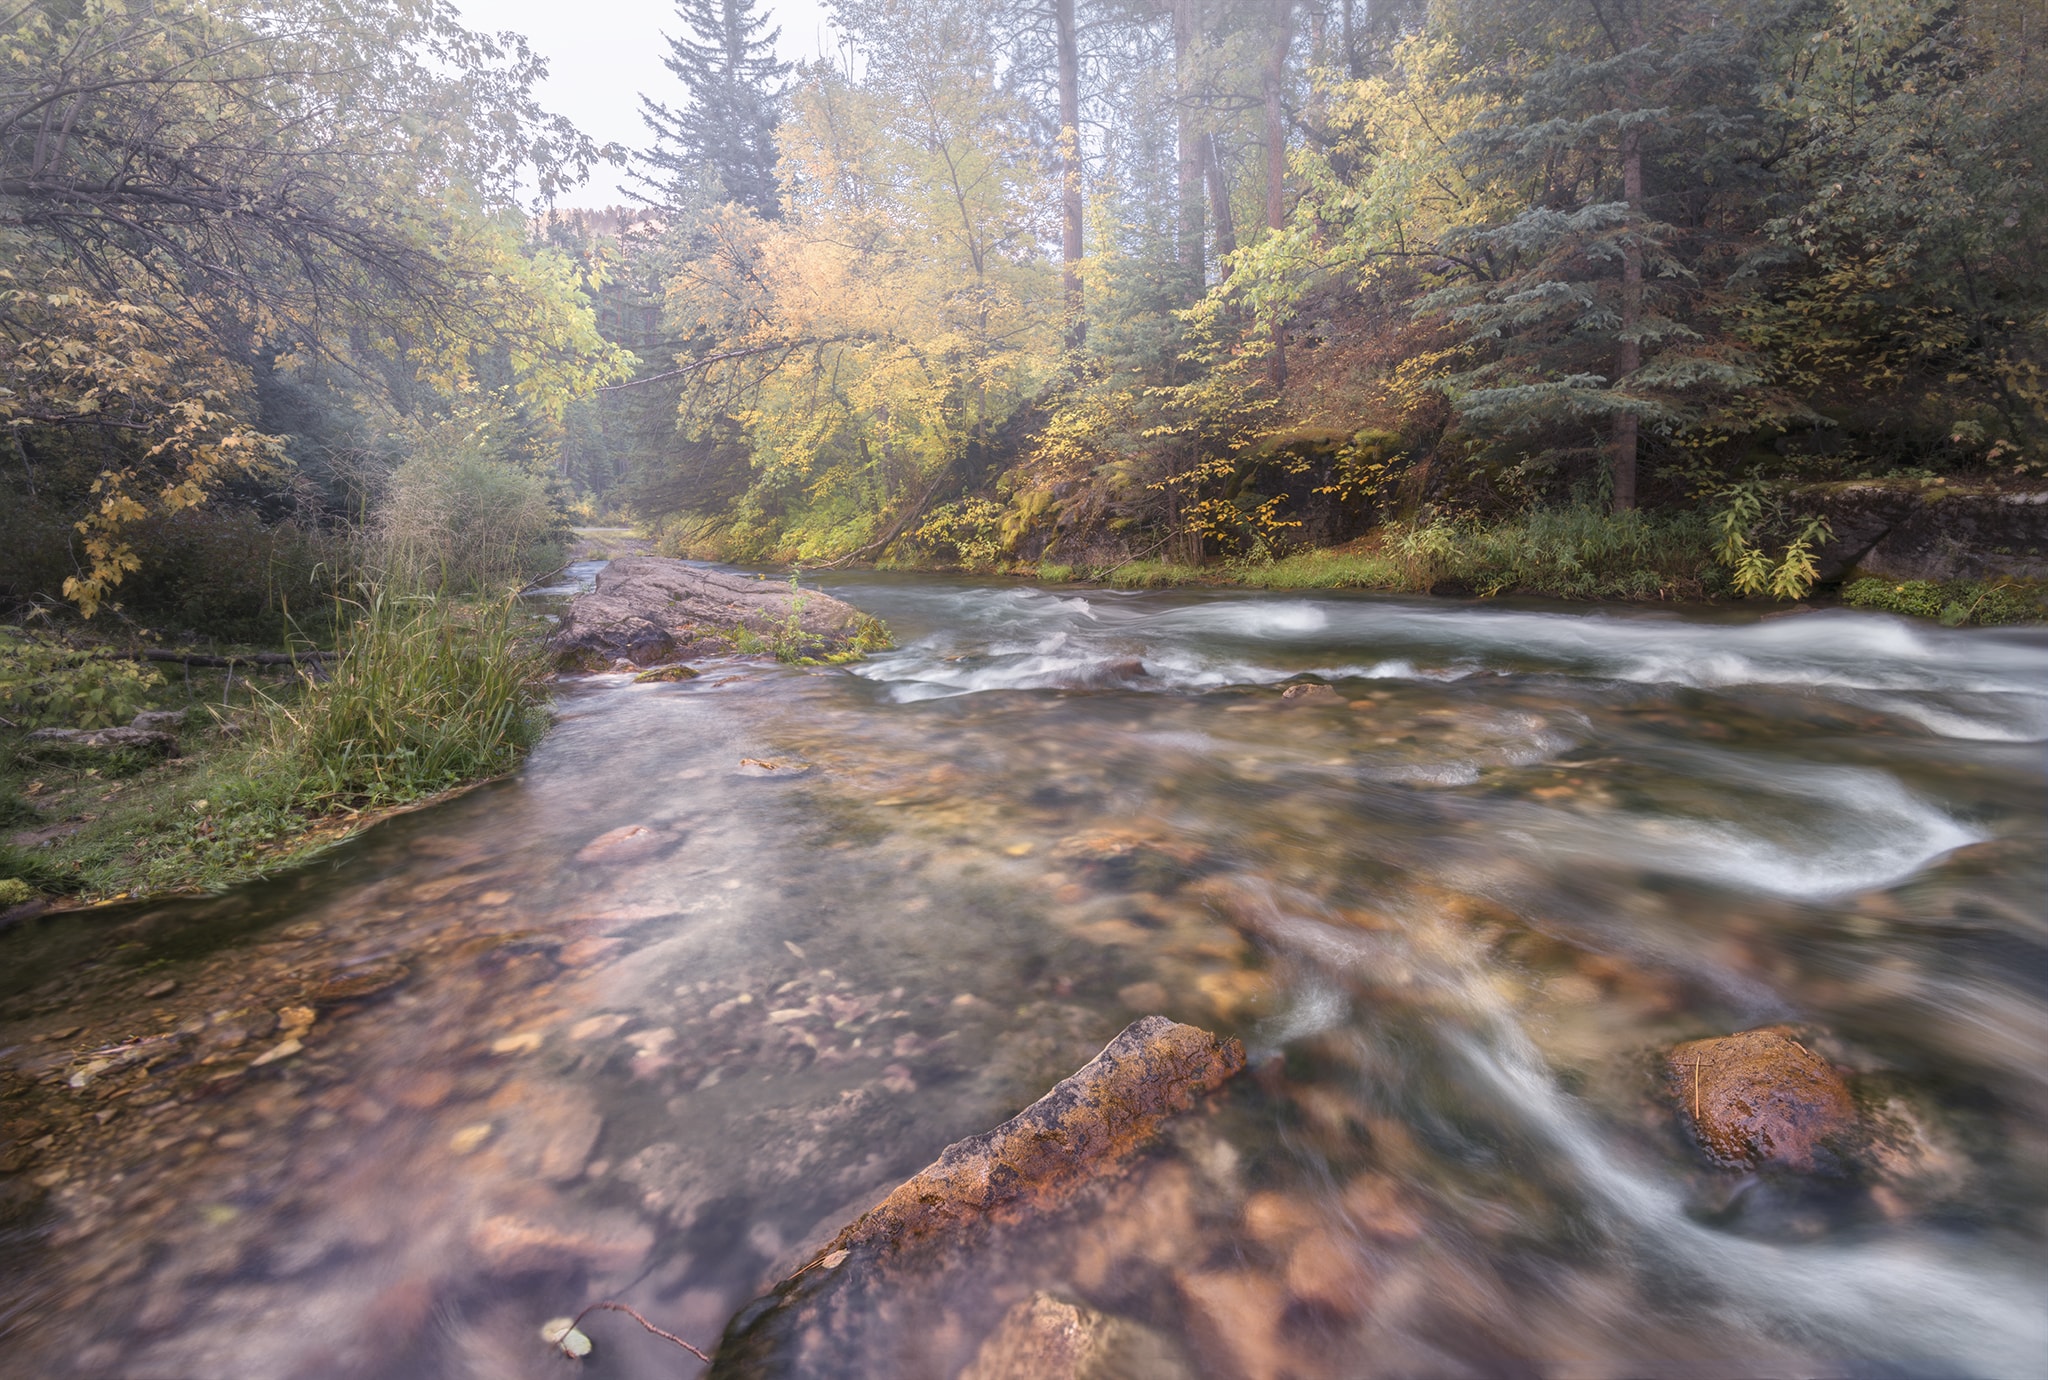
(634, 1314)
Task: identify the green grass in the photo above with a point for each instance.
(1953, 602)
(1562, 553)
(428, 693)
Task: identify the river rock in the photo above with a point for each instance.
(1087, 1126)
(1047, 1338)
(1759, 1098)
(650, 610)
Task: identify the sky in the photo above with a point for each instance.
(603, 53)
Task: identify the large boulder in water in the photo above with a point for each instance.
(1760, 1098)
(650, 609)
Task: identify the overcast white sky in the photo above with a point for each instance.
(603, 53)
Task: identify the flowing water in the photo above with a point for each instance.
(1457, 906)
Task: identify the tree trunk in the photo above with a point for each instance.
(1276, 115)
(1628, 354)
(1189, 228)
(1071, 240)
(1219, 200)
(1276, 154)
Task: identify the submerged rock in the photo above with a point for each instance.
(1759, 1098)
(650, 610)
(1046, 1338)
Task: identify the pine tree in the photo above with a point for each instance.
(719, 145)
(1612, 150)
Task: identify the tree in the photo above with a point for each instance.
(720, 144)
(191, 193)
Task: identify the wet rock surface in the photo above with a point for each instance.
(1761, 1098)
(648, 610)
(1048, 1338)
(1069, 1140)
(1083, 1127)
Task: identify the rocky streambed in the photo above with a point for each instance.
(1615, 990)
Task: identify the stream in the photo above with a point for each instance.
(730, 958)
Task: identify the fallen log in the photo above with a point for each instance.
(108, 739)
(244, 659)
(1089, 1125)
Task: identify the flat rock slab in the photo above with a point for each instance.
(651, 610)
(1760, 1098)
(1089, 1125)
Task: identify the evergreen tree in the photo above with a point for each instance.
(1623, 158)
(720, 144)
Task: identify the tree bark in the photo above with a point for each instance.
(1072, 244)
(1276, 115)
(1628, 354)
(1276, 154)
(1189, 230)
(1219, 201)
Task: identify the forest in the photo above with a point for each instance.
(1183, 689)
(1585, 295)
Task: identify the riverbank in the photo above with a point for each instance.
(1958, 554)
(248, 770)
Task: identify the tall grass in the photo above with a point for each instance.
(427, 692)
(1566, 553)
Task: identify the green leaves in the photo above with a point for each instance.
(46, 683)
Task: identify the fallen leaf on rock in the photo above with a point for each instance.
(563, 1333)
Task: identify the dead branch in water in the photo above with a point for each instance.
(634, 1314)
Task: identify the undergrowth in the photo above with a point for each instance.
(426, 693)
(1952, 602)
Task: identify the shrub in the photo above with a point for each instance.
(44, 682)
(458, 516)
(1566, 553)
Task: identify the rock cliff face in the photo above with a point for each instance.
(1927, 530)
(649, 609)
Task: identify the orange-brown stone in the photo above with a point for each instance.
(1111, 1107)
(1759, 1098)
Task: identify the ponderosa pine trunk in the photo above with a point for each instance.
(1219, 201)
(1071, 228)
(1276, 153)
(1628, 354)
(1189, 230)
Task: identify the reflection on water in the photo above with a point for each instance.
(647, 1023)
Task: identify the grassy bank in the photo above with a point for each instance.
(424, 694)
(1569, 553)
